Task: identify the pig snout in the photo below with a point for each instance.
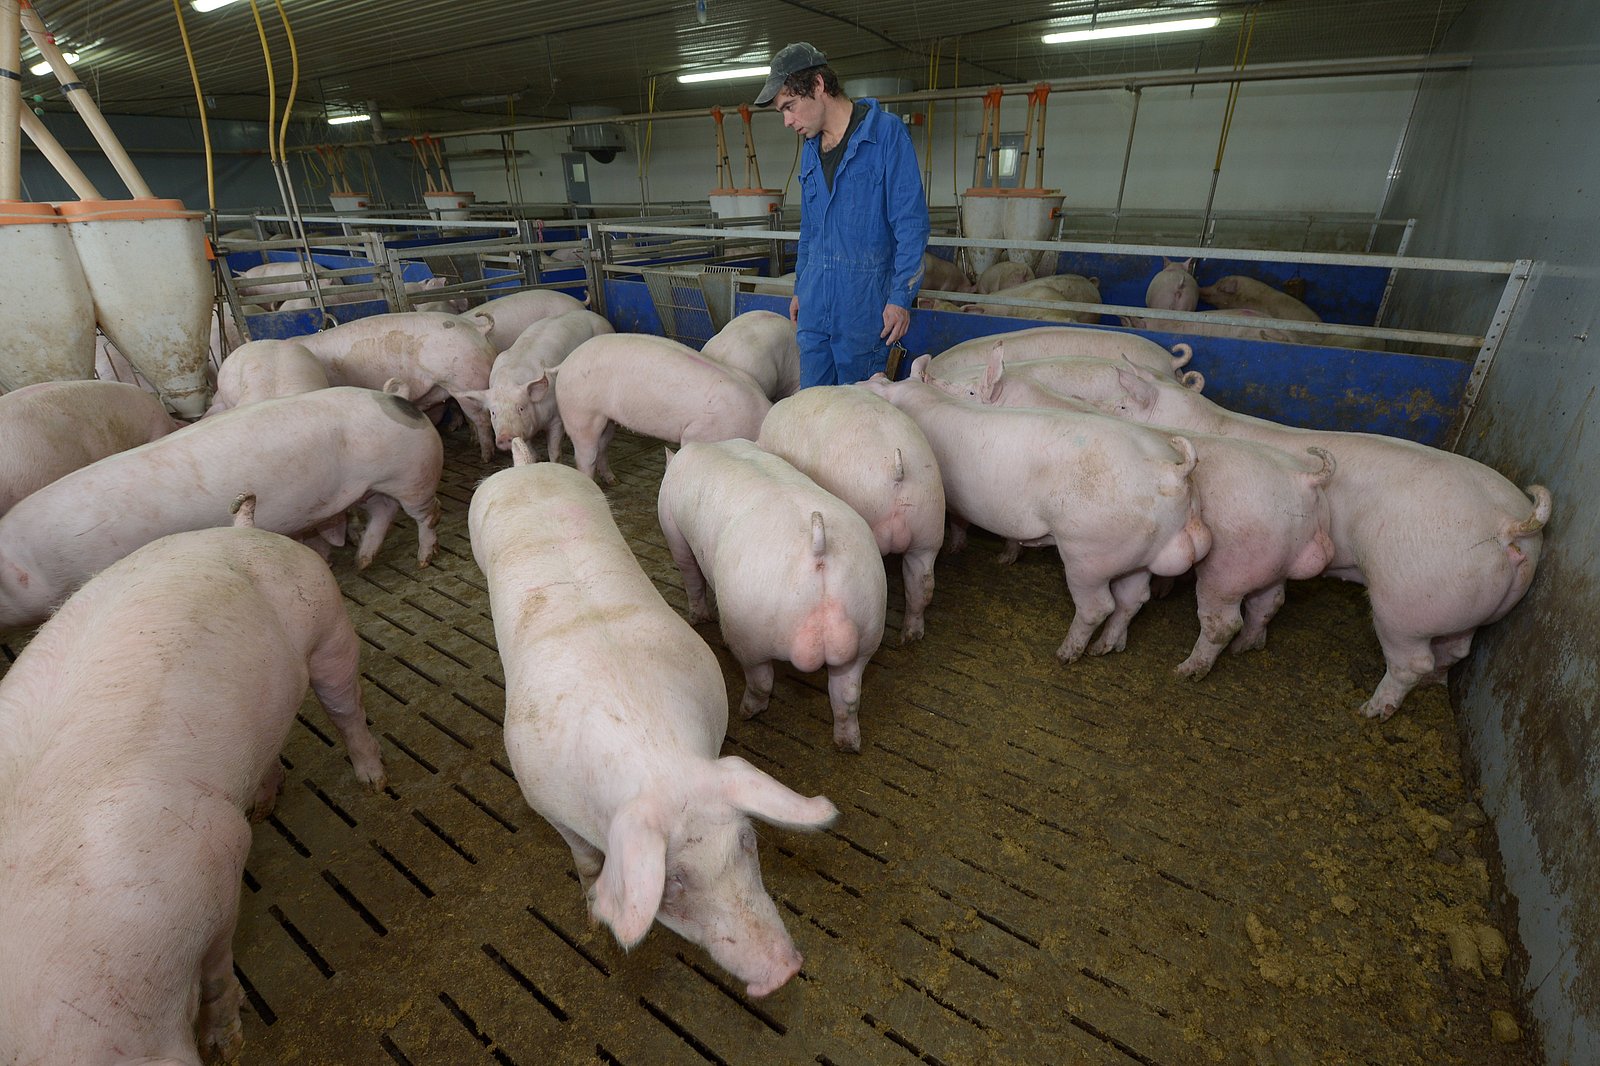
(776, 973)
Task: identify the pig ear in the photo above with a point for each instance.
(972, 309)
(670, 453)
(1141, 391)
(472, 401)
(627, 893)
(1095, 281)
(994, 373)
(432, 283)
(919, 367)
(753, 792)
(397, 387)
(1189, 264)
(539, 386)
(484, 322)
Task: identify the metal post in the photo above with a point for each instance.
(1127, 155)
(594, 267)
(1394, 272)
(1491, 345)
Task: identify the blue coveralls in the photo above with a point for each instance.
(860, 248)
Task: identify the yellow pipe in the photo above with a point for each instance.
(200, 102)
(294, 83)
(272, 83)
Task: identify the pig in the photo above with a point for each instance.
(873, 457)
(50, 429)
(453, 304)
(142, 727)
(434, 355)
(1117, 504)
(1267, 514)
(928, 303)
(653, 386)
(1173, 288)
(252, 289)
(520, 396)
(942, 275)
(615, 714)
(1051, 342)
(1217, 329)
(1074, 287)
(514, 313)
(1236, 290)
(764, 345)
(1004, 275)
(265, 370)
(1443, 544)
(795, 571)
(111, 365)
(308, 457)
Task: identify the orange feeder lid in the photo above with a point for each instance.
(21, 213)
(140, 210)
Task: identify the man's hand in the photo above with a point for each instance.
(896, 320)
(794, 309)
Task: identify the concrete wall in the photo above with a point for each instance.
(1501, 164)
(1322, 145)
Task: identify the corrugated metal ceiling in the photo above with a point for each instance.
(421, 59)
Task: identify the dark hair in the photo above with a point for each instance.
(799, 83)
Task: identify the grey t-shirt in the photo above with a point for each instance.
(831, 157)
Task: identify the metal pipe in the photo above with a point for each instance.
(1266, 72)
(81, 186)
(1127, 155)
(83, 103)
(10, 101)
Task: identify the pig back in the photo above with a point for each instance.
(583, 631)
(764, 345)
(423, 348)
(51, 429)
(1056, 342)
(546, 344)
(513, 314)
(659, 388)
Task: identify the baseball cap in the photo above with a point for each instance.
(791, 60)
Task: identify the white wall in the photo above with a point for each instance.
(1315, 145)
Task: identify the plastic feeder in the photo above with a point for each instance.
(983, 214)
(743, 203)
(46, 311)
(348, 203)
(146, 267)
(448, 206)
(1029, 214)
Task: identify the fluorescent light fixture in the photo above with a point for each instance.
(43, 66)
(724, 75)
(340, 120)
(1132, 29)
(208, 5)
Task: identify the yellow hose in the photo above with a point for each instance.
(294, 83)
(200, 101)
(1241, 55)
(272, 83)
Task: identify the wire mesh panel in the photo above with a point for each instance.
(694, 302)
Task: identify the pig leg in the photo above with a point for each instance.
(1259, 608)
(586, 858)
(1409, 658)
(267, 792)
(916, 573)
(957, 538)
(844, 696)
(757, 688)
(221, 1034)
(478, 416)
(381, 511)
(602, 464)
(553, 436)
(694, 579)
(1447, 651)
(425, 513)
(1220, 619)
(1009, 555)
(1092, 604)
(1131, 592)
(335, 666)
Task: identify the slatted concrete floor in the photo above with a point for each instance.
(1035, 864)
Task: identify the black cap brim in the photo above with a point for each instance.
(770, 89)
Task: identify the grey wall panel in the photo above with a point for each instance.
(1504, 162)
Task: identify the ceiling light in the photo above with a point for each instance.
(43, 66)
(1136, 29)
(724, 75)
(208, 5)
(340, 120)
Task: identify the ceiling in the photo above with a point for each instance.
(421, 59)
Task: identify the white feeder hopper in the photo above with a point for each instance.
(46, 310)
(1030, 216)
(146, 268)
(348, 203)
(449, 206)
(742, 203)
(983, 214)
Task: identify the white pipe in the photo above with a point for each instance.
(51, 149)
(10, 101)
(83, 103)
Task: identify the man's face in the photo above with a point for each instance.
(803, 114)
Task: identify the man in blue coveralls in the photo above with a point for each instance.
(863, 221)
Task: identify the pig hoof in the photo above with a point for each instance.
(224, 1044)
(1106, 647)
(364, 561)
(1381, 711)
(911, 633)
(848, 745)
(1192, 670)
(750, 707)
(1068, 656)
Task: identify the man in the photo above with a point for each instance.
(863, 221)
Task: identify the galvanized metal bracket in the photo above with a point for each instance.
(1521, 270)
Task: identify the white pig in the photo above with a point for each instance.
(1117, 505)
(872, 456)
(1217, 329)
(434, 355)
(1266, 511)
(795, 571)
(521, 398)
(50, 429)
(514, 313)
(615, 713)
(307, 457)
(1004, 275)
(265, 370)
(140, 725)
(1443, 544)
(1052, 342)
(764, 345)
(653, 386)
(261, 284)
(942, 275)
(1236, 290)
(1173, 288)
